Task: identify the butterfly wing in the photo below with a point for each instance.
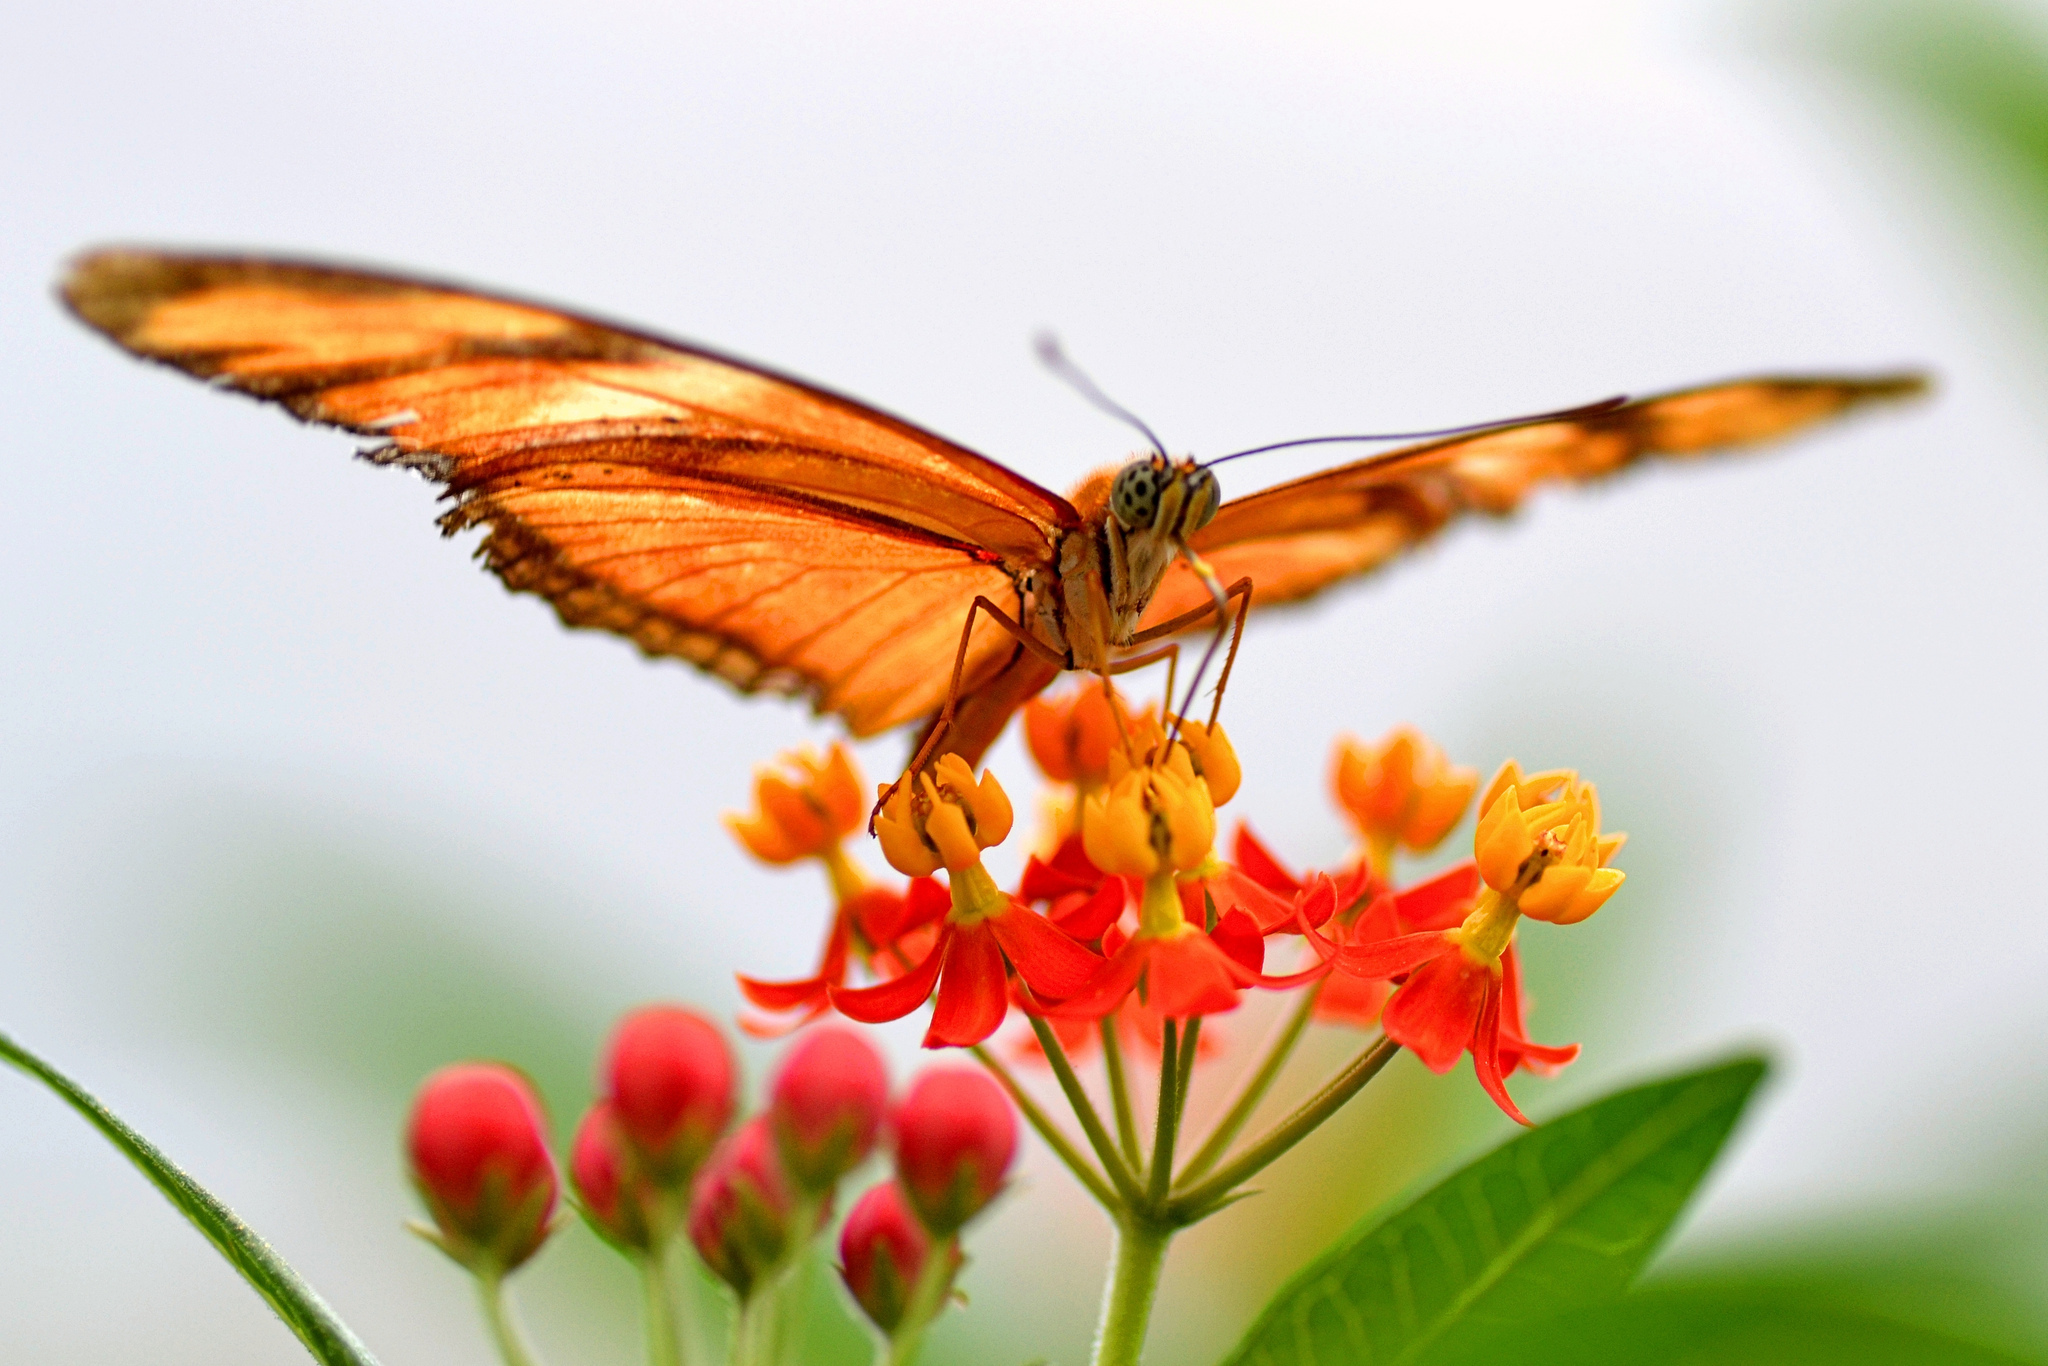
(1298, 538)
(780, 536)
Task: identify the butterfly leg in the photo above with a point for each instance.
(1241, 590)
(944, 721)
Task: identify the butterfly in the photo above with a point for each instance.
(788, 539)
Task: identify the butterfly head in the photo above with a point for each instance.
(1165, 497)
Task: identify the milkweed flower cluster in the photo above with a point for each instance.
(1136, 922)
(1129, 912)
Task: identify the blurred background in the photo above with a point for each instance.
(296, 804)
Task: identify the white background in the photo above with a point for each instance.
(256, 719)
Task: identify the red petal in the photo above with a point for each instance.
(756, 1028)
(1381, 919)
(974, 994)
(1486, 1053)
(1389, 958)
(1190, 975)
(785, 995)
(1043, 882)
(1443, 902)
(1238, 890)
(1113, 981)
(926, 901)
(1091, 919)
(1436, 1010)
(1239, 938)
(1259, 864)
(894, 999)
(1353, 1001)
(1051, 964)
(1319, 902)
(1315, 972)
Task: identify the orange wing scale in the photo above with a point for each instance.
(1297, 538)
(780, 536)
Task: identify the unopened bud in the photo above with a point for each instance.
(670, 1078)
(826, 1105)
(956, 1136)
(742, 1208)
(615, 1197)
(478, 1149)
(883, 1252)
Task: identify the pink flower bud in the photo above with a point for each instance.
(478, 1149)
(955, 1138)
(615, 1197)
(826, 1105)
(741, 1208)
(882, 1253)
(669, 1076)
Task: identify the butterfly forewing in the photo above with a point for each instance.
(1299, 537)
(779, 535)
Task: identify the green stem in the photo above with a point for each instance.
(1184, 1070)
(1042, 1124)
(1202, 1199)
(927, 1299)
(664, 1336)
(1120, 1175)
(1254, 1088)
(1133, 1284)
(1167, 1127)
(505, 1331)
(1119, 1089)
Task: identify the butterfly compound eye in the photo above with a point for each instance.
(1203, 497)
(1134, 497)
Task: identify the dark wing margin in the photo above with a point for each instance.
(778, 535)
(1298, 538)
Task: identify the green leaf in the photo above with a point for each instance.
(301, 1308)
(1715, 1327)
(1563, 1216)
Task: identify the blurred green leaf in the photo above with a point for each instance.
(297, 1303)
(1563, 1216)
(1975, 65)
(1706, 1326)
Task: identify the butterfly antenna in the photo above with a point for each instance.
(1605, 405)
(1055, 359)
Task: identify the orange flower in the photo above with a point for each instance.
(1401, 791)
(803, 812)
(1070, 737)
(1539, 851)
(949, 818)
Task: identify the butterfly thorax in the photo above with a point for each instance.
(1134, 525)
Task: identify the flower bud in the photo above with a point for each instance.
(1071, 737)
(804, 813)
(1402, 790)
(826, 1105)
(882, 1255)
(478, 1149)
(943, 818)
(669, 1076)
(741, 1209)
(956, 1136)
(614, 1196)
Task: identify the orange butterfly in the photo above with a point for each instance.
(791, 540)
